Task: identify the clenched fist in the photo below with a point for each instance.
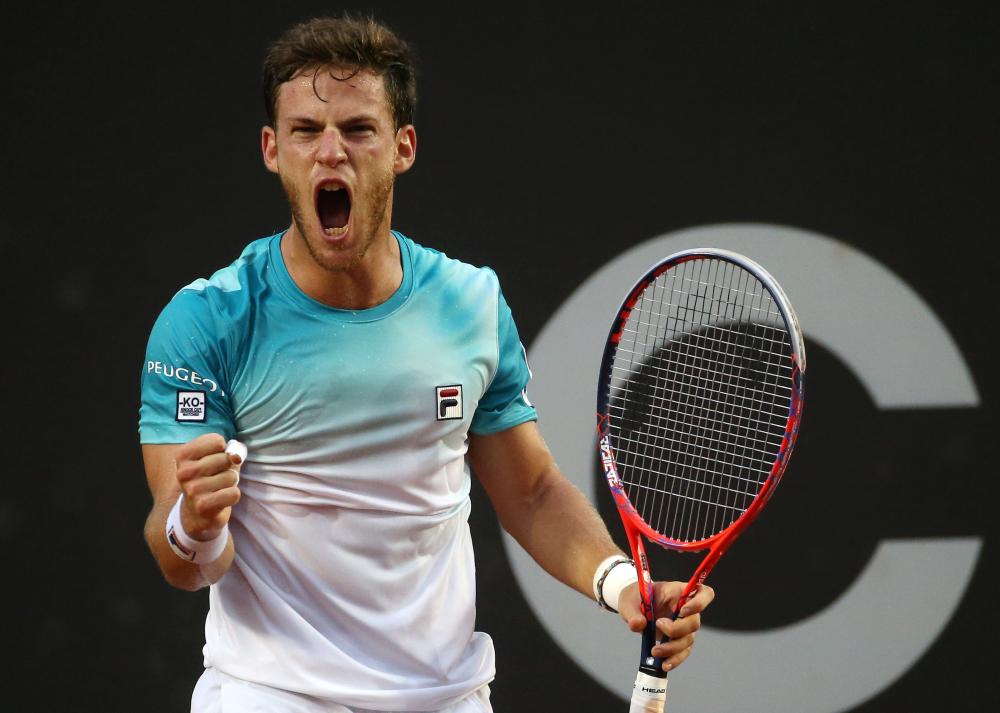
(208, 475)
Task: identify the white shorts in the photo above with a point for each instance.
(216, 692)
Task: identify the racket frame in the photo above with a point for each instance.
(636, 529)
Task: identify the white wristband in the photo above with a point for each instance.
(188, 548)
(610, 578)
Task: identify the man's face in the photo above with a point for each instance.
(337, 157)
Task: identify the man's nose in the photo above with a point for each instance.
(331, 148)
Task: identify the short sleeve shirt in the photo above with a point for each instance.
(354, 578)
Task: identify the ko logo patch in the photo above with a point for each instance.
(191, 406)
(449, 402)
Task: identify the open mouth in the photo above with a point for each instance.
(333, 206)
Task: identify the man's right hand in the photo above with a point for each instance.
(208, 478)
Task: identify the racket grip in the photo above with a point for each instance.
(649, 694)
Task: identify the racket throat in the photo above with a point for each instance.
(700, 574)
(642, 570)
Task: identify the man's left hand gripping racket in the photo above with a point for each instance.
(698, 407)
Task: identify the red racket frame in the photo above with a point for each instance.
(636, 528)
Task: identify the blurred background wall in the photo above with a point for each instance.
(837, 142)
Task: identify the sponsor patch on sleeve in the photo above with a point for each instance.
(191, 406)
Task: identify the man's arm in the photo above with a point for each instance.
(548, 516)
(561, 530)
(207, 476)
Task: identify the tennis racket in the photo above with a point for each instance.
(699, 400)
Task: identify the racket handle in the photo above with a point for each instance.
(649, 694)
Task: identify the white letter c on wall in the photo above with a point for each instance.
(897, 348)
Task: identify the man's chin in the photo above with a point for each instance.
(335, 258)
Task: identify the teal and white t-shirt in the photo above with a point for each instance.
(354, 578)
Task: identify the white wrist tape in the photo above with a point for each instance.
(610, 578)
(188, 548)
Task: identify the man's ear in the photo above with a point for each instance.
(406, 149)
(269, 148)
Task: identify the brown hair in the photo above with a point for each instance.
(350, 42)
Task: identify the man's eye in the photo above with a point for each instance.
(303, 129)
(362, 129)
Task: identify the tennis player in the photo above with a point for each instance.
(364, 374)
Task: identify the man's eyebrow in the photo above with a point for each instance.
(302, 120)
(358, 119)
(354, 119)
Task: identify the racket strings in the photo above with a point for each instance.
(701, 386)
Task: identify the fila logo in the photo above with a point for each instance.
(191, 406)
(449, 402)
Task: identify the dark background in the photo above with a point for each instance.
(551, 138)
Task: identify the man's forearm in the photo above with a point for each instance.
(562, 531)
(178, 572)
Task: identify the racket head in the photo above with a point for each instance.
(700, 397)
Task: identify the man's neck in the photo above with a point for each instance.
(369, 283)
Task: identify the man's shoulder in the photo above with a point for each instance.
(226, 297)
(236, 277)
(434, 266)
